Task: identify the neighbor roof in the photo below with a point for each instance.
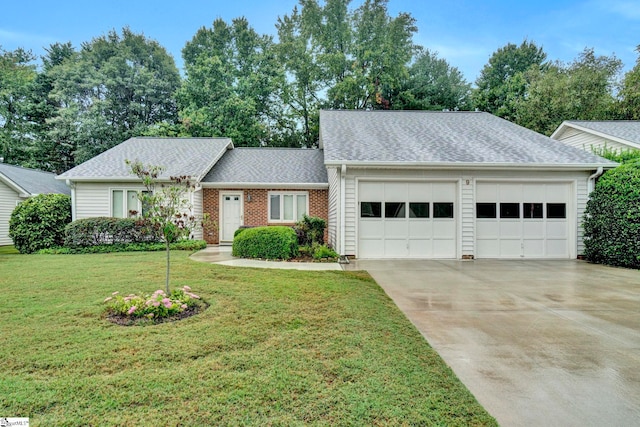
(474, 139)
(269, 167)
(29, 182)
(179, 156)
(624, 131)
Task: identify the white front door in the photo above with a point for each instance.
(231, 216)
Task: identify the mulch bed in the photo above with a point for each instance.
(143, 321)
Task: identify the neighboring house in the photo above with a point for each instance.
(18, 184)
(615, 135)
(392, 184)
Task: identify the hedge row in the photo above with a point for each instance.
(266, 242)
(105, 231)
(183, 245)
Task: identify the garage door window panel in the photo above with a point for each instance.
(418, 210)
(394, 210)
(510, 210)
(532, 210)
(486, 210)
(370, 210)
(442, 210)
(556, 210)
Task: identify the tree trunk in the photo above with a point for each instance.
(168, 265)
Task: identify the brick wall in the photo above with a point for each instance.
(256, 210)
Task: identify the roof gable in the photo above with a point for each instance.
(626, 132)
(269, 166)
(28, 182)
(178, 156)
(440, 138)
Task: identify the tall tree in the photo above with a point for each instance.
(231, 76)
(501, 83)
(581, 90)
(301, 89)
(628, 107)
(114, 88)
(17, 76)
(433, 85)
(363, 53)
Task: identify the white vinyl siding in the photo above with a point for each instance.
(196, 202)
(334, 206)
(9, 199)
(588, 142)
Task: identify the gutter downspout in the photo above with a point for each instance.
(343, 186)
(591, 183)
(71, 185)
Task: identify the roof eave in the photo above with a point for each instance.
(463, 165)
(98, 179)
(14, 186)
(565, 125)
(267, 185)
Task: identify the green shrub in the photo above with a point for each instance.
(310, 230)
(266, 243)
(182, 245)
(240, 230)
(323, 252)
(105, 230)
(39, 222)
(156, 306)
(612, 218)
(619, 156)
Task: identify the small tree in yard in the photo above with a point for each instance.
(167, 206)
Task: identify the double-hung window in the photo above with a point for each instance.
(288, 206)
(125, 203)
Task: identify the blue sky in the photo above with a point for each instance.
(464, 32)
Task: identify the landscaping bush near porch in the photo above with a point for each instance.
(275, 347)
(266, 243)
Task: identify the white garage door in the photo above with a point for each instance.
(407, 220)
(527, 220)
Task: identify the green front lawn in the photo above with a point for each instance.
(275, 347)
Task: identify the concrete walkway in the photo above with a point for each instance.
(222, 255)
(539, 343)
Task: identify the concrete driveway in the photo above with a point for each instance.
(539, 343)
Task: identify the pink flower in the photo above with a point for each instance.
(193, 295)
(132, 309)
(115, 293)
(156, 303)
(148, 303)
(186, 288)
(183, 306)
(127, 298)
(107, 299)
(150, 315)
(166, 302)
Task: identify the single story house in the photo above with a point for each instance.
(391, 184)
(18, 184)
(593, 135)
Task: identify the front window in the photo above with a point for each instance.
(287, 207)
(124, 203)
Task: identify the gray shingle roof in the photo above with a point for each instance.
(33, 181)
(428, 137)
(179, 156)
(628, 130)
(269, 166)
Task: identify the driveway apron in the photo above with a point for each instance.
(539, 343)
